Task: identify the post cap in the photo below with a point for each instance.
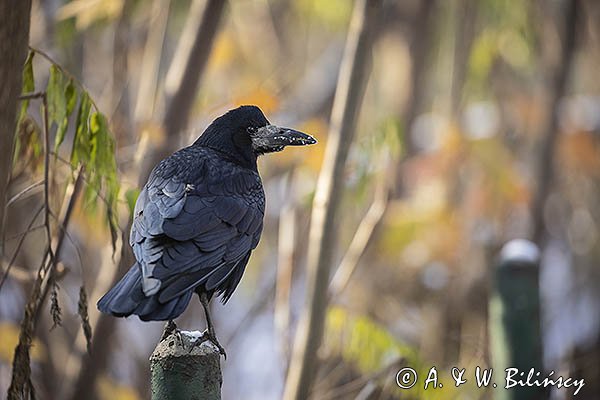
(520, 251)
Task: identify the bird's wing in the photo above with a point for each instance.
(200, 230)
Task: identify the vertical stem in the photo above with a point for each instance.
(285, 266)
(146, 96)
(186, 83)
(545, 167)
(47, 177)
(322, 238)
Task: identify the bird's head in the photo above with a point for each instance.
(247, 132)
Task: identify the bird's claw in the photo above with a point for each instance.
(206, 336)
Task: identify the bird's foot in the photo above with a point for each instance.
(206, 336)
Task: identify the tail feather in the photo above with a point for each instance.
(127, 298)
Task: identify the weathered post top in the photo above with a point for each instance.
(184, 369)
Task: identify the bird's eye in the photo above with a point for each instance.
(251, 129)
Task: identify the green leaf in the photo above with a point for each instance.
(103, 168)
(70, 95)
(57, 105)
(81, 142)
(103, 146)
(28, 85)
(131, 196)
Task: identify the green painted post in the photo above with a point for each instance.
(183, 370)
(515, 333)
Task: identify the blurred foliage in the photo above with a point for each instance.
(88, 12)
(507, 34)
(363, 342)
(332, 13)
(9, 333)
(110, 390)
(371, 348)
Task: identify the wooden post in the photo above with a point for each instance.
(183, 370)
(515, 332)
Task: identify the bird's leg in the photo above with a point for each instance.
(210, 330)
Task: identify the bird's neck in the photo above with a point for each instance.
(233, 155)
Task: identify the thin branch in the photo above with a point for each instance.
(65, 232)
(149, 70)
(64, 72)
(23, 192)
(84, 179)
(285, 265)
(75, 190)
(26, 232)
(47, 180)
(19, 245)
(29, 96)
(361, 239)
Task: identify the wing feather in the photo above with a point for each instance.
(195, 227)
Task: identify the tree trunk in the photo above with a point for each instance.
(545, 167)
(322, 238)
(14, 38)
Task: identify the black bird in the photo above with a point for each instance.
(198, 218)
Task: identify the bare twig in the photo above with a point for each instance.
(361, 239)
(47, 180)
(285, 265)
(64, 72)
(146, 98)
(30, 96)
(322, 238)
(24, 192)
(24, 233)
(19, 245)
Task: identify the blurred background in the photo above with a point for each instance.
(480, 123)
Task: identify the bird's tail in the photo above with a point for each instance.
(127, 298)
